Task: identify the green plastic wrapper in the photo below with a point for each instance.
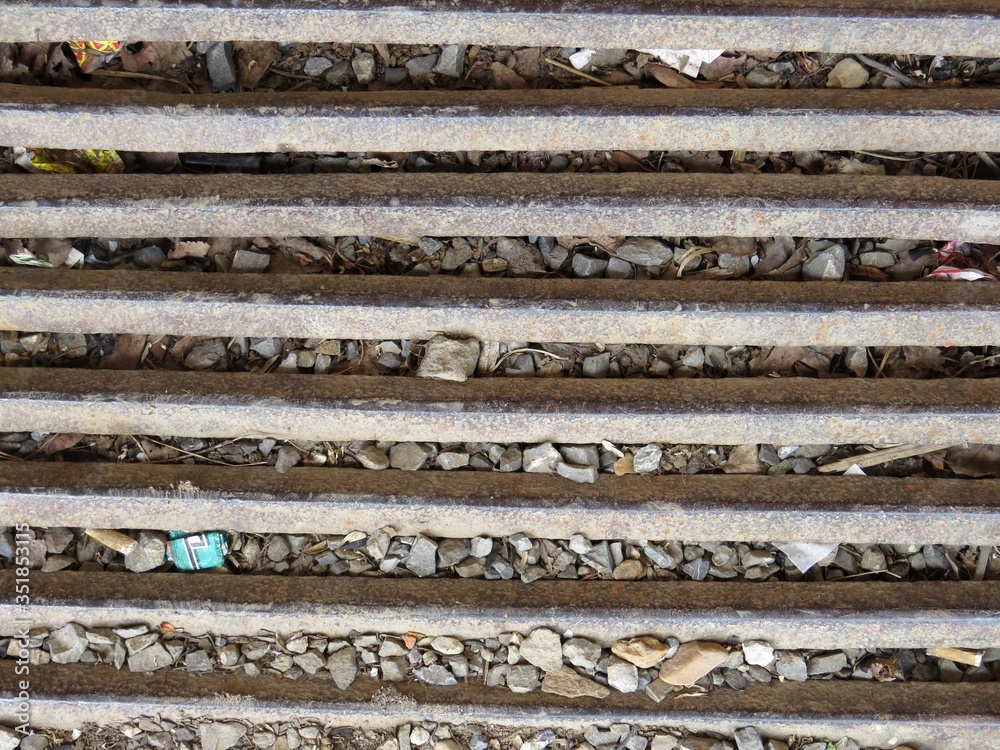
(197, 551)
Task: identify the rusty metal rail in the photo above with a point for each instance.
(910, 26)
(451, 205)
(721, 508)
(553, 310)
(791, 616)
(633, 411)
(964, 715)
(550, 120)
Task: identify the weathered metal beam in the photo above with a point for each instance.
(946, 27)
(633, 411)
(450, 205)
(944, 716)
(794, 615)
(551, 120)
(876, 510)
(550, 310)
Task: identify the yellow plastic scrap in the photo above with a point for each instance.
(72, 161)
(92, 55)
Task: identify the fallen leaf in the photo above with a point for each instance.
(126, 354)
(779, 360)
(166, 627)
(253, 60)
(669, 77)
(738, 246)
(61, 441)
(722, 67)
(974, 461)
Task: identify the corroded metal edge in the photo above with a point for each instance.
(583, 119)
(551, 310)
(944, 716)
(567, 410)
(464, 504)
(941, 27)
(788, 615)
(510, 204)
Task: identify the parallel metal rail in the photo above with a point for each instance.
(547, 120)
(504, 410)
(464, 504)
(929, 27)
(457, 205)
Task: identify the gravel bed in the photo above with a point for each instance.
(567, 665)
(642, 258)
(225, 66)
(384, 553)
(238, 735)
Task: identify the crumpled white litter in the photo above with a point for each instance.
(686, 61)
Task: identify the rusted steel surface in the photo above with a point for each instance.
(581, 119)
(943, 716)
(450, 205)
(876, 510)
(930, 27)
(794, 615)
(922, 313)
(634, 411)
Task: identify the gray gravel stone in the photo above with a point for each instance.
(287, 458)
(597, 366)
(421, 66)
(877, 259)
(248, 261)
(67, 644)
(522, 679)
(363, 65)
(828, 265)
(541, 459)
(9, 739)
(150, 659)
(619, 269)
(510, 459)
(316, 66)
(647, 459)
(481, 546)
(372, 457)
(747, 738)
(623, 676)
(827, 663)
(310, 662)
(343, 667)
(645, 251)
(450, 460)
(762, 78)
(421, 560)
(792, 667)
(435, 674)
(584, 455)
(198, 662)
(409, 456)
(221, 68)
(873, 559)
(35, 742)
(577, 473)
(522, 259)
(340, 73)
(150, 553)
(452, 61)
(205, 354)
(221, 735)
(449, 359)
(697, 569)
(267, 348)
(543, 648)
(758, 653)
(394, 77)
(587, 267)
(149, 257)
(736, 265)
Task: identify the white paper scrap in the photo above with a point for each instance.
(805, 554)
(687, 61)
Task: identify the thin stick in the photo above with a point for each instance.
(527, 350)
(884, 456)
(982, 563)
(114, 539)
(900, 76)
(146, 76)
(866, 573)
(573, 70)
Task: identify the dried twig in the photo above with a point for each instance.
(884, 456)
(573, 70)
(899, 75)
(527, 350)
(145, 76)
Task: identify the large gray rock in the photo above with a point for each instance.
(150, 553)
(67, 644)
(522, 259)
(522, 679)
(577, 473)
(9, 739)
(543, 648)
(747, 738)
(364, 67)
(343, 667)
(452, 60)
(541, 459)
(622, 675)
(221, 69)
(221, 735)
(647, 459)
(409, 456)
(248, 261)
(792, 667)
(435, 674)
(421, 66)
(582, 653)
(150, 659)
(422, 558)
(205, 354)
(645, 251)
(587, 267)
(449, 359)
(372, 457)
(828, 265)
(316, 66)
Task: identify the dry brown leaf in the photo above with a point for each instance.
(628, 163)
(739, 246)
(669, 77)
(527, 62)
(61, 441)
(721, 67)
(915, 362)
(505, 78)
(189, 249)
(252, 61)
(975, 461)
(777, 359)
(868, 273)
(300, 246)
(126, 354)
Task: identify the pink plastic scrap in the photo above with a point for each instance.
(954, 266)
